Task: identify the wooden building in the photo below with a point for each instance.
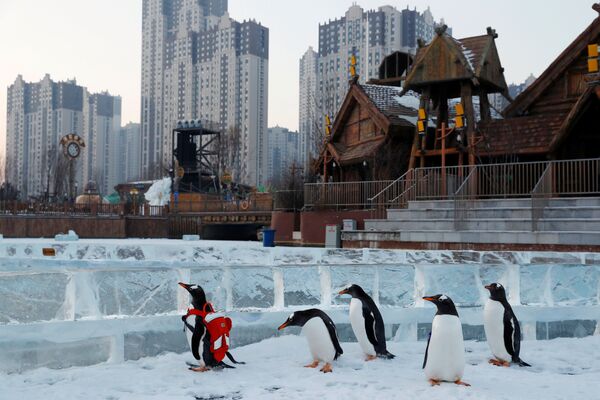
(371, 135)
(446, 69)
(557, 117)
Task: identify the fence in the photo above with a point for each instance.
(343, 194)
(464, 185)
(81, 210)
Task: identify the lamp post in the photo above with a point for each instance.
(134, 192)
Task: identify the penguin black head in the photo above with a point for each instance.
(297, 318)
(197, 293)
(497, 291)
(353, 290)
(444, 304)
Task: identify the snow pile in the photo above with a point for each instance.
(159, 193)
(562, 369)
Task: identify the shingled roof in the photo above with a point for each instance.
(524, 135)
(447, 59)
(400, 110)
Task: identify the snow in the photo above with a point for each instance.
(562, 369)
(159, 193)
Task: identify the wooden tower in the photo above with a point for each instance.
(447, 69)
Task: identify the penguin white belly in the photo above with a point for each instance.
(189, 333)
(319, 342)
(493, 323)
(446, 353)
(358, 326)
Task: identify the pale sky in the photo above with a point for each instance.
(99, 41)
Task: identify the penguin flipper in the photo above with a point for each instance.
(522, 363)
(228, 354)
(332, 333)
(512, 333)
(197, 338)
(426, 351)
(370, 327)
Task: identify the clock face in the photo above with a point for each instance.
(73, 150)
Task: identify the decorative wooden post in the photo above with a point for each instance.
(466, 94)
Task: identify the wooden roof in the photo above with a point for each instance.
(446, 59)
(576, 51)
(524, 135)
(542, 116)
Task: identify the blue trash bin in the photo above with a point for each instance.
(268, 237)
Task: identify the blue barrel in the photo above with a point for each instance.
(268, 237)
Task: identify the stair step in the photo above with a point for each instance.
(485, 224)
(495, 237)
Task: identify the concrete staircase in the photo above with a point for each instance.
(565, 222)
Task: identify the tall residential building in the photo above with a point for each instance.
(131, 143)
(197, 63)
(369, 36)
(101, 135)
(499, 102)
(39, 115)
(309, 128)
(283, 152)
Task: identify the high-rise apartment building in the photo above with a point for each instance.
(310, 131)
(197, 63)
(131, 137)
(101, 134)
(369, 36)
(39, 115)
(283, 152)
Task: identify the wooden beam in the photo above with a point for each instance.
(466, 92)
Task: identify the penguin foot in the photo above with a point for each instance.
(199, 369)
(499, 363)
(315, 364)
(326, 368)
(433, 382)
(461, 383)
(370, 357)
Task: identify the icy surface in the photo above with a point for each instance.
(122, 297)
(562, 369)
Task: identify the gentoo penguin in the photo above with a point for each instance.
(197, 334)
(320, 332)
(502, 328)
(445, 353)
(367, 323)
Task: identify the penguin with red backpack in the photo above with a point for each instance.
(207, 332)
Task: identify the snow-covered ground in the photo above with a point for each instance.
(562, 369)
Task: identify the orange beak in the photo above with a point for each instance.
(488, 287)
(343, 291)
(282, 326)
(183, 285)
(429, 298)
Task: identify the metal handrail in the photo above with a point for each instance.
(462, 197)
(540, 196)
(342, 194)
(385, 189)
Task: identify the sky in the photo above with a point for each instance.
(99, 41)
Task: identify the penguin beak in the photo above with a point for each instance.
(488, 287)
(185, 286)
(282, 325)
(345, 291)
(432, 299)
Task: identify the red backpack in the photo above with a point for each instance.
(218, 327)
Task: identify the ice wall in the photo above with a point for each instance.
(112, 300)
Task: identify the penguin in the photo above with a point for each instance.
(502, 328)
(367, 323)
(445, 354)
(198, 336)
(321, 335)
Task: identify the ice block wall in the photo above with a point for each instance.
(98, 301)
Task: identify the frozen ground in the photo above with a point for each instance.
(563, 369)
